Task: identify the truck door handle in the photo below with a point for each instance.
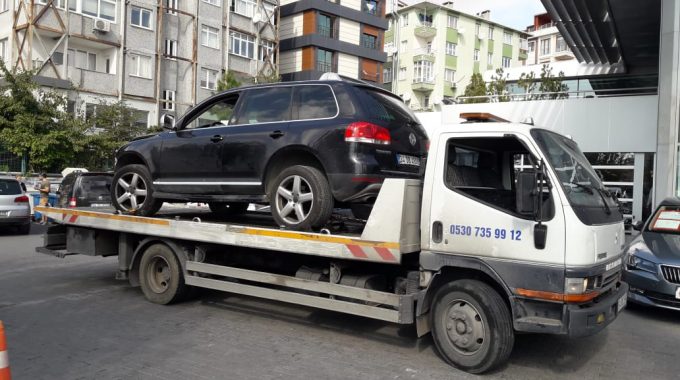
(216, 138)
(437, 232)
(276, 134)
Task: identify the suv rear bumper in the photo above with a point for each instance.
(360, 187)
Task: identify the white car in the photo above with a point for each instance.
(15, 210)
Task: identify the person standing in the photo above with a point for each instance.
(44, 188)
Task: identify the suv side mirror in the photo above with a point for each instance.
(168, 122)
(525, 192)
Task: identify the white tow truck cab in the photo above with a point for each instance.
(510, 230)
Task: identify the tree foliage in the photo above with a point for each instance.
(228, 81)
(498, 86)
(527, 82)
(477, 87)
(551, 86)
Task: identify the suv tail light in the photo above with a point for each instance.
(72, 202)
(21, 199)
(365, 132)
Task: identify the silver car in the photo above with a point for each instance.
(15, 210)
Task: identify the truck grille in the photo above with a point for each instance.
(671, 274)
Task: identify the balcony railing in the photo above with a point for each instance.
(324, 31)
(424, 80)
(369, 42)
(426, 23)
(325, 66)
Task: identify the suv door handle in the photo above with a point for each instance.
(276, 134)
(216, 138)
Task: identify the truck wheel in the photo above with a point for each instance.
(471, 326)
(228, 208)
(132, 191)
(160, 275)
(301, 198)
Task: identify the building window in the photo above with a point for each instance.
(545, 46)
(216, 3)
(425, 20)
(369, 41)
(210, 37)
(170, 49)
(324, 25)
(532, 46)
(371, 7)
(489, 59)
(3, 50)
(403, 47)
(387, 75)
(266, 50)
(490, 32)
(422, 72)
(449, 75)
(426, 102)
(4, 5)
(507, 38)
(450, 48)
(452, 21)
(170, 6)
(241, 44)
(561, 45)
(402, 73)
(105, 9)
(324, 60)
(208, 79)
(245, 7)
(61, 4)
(140, 17)
(478, 28)
(270, 11)
(506, 62)
(140, 66)
(403, 20)
(476, 55)
(523, 43)
(168, 100)
(82, 60)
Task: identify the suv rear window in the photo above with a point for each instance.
(316, 102)
(380, 106)
(9, 187)
(95, 186)
(266, 105)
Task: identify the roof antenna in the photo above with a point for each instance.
(528, 120)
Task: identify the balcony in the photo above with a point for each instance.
(423, 84)
(325, 31)
(325, 67)
(94, 81)
(424, 29)
(370, 42)
(423, 54)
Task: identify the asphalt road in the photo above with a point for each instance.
(70, 319)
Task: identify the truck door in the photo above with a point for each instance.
(473, 200)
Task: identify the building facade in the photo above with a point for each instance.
(546, 44)
(159, 57)
(342, 36)
(433, 50)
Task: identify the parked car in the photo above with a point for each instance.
(15, 210)
(85, 189)
(652, 268)
(303, 147)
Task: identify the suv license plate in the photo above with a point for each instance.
(4, 213)
(403, 159)
(622, 302)
(99, 205)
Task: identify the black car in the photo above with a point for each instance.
(303, 147)
(85, 189)
(652, 268)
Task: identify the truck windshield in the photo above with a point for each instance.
(591, 202)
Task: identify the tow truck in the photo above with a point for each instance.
(510, 230)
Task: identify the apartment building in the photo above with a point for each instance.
(159, 56)
(433, 50)
(343, 36)
(545, 42)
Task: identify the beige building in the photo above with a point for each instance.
(546, 44)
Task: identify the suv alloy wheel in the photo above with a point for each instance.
(301, 198)
(132, 192)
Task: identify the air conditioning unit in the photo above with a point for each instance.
(101, 26)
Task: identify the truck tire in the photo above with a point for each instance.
(228, 208)
(160, 275)
(300, 198)
(132, 191)
(471, 326)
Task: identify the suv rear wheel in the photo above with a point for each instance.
(132, 192)
(301, 198)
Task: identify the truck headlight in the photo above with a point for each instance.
(635, 262)
(575, 285)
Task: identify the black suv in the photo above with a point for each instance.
(303, 147)
(85, 189)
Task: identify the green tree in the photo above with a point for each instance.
(34, 122)
(227, 81)
(268, 78)
(551, 86)
(498, 86)
(477, 87)
(527, 82)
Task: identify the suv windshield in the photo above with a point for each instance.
(9, 187)
(587, 196)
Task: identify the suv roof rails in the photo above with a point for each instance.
(338, 77)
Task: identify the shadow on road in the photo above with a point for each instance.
(656, 313)
(36, 229)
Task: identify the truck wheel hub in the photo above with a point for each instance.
(464, 327)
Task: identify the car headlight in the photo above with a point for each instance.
(635, 262)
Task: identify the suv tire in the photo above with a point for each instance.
(132, 191)
(300, 198)
(228, 208)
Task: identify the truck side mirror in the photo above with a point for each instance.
(525, 193)
(168, 122)
(637, 226)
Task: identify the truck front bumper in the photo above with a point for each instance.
(591, 319)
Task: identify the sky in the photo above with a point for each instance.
(517, 14)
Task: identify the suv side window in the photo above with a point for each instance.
(315, 102)
(218, 113)
(266, 105)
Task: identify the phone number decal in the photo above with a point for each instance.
(485, 232)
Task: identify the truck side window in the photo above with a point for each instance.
(485, 168)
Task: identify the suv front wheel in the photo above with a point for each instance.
(301, 198)
(132, 192)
